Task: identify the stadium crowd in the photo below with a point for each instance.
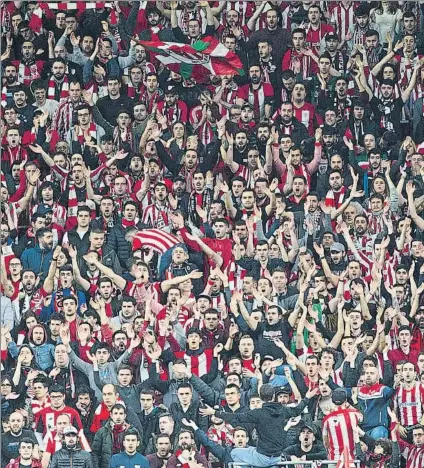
(206, 266)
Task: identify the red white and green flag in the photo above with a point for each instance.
(205, 57)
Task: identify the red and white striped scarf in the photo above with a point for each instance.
(206, 133)
(305, 61)
(28, 74)
(16, 154)
(236, 275)
(72, 208)
(157, 216)
(150, 100)
(4, 96)
(64, 88)
(92, 131)
(134, 91)
(330, 198)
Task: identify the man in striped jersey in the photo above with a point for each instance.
(337, 426)
(409, 400)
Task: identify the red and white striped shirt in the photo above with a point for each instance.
(37, 405)
(199, 364)
(257, 97)
(337, 427)
(343, 18)
(409, 404)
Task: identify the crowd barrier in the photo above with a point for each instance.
(302, 464)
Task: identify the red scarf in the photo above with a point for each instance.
(134, 91)
(331, 201)
(64, 88)
(126, 224)
(71, 222)
(92, 131)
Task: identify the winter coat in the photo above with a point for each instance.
(81, 245)
(76, 458)
(103, 446)
(38, 260)
(116, 241)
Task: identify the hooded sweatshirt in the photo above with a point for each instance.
(268, 421)
(44, 352)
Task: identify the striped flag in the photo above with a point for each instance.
(197, 61)
(155, 239)
(64, 6)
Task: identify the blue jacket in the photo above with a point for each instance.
(38, 260)
(373, 402)
(123, 460)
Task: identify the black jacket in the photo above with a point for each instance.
(75, 240)
(269, 422)
(77, 458)
(116, 241)
(192, 413)
(103, 446)
(206, 162)
(317, 452)
(298, 131)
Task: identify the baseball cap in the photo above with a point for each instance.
(285, 390)
(70, 430)
(358, 102)
(43, 209)
(170, 90)
(331, 36)
(339, 396)
(309, 426)
(337, 247)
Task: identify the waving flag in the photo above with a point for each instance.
(205, 57)
(154, 239)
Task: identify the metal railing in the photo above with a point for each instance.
(301, 463)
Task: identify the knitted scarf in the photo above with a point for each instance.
(28, 73)
(330, 199)
(150, 101)
(58, 299)
(72, 208)
(127, 224)
(63, 87)
(118, 431)
(192, 202)
(118, 140)
(16, 154)
(134, 91)
(92, 131)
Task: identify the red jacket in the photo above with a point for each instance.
(14, 463)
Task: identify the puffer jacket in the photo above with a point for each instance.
(102, 446)
(76, 458)
(44, 353)
(116, 241)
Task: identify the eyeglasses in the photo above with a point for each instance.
(5, 384)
